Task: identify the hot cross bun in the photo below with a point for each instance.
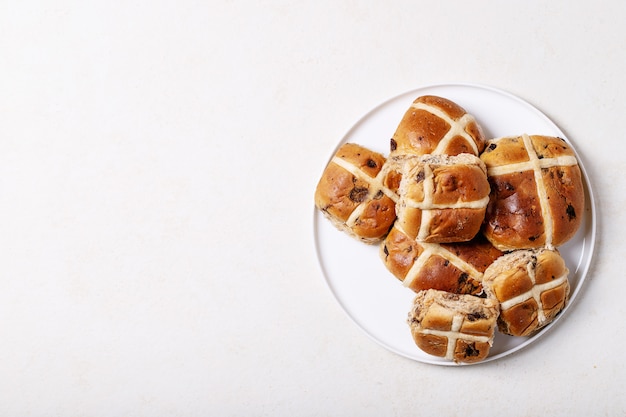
(537, 196)
(457, 327)
(352, 195)
(442, 198)
(531, 286)
(436, 125)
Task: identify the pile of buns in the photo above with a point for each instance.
(472, 225)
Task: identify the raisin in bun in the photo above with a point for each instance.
(351, 193)
(537, 196)
(435, 125)
(442, 198)
(531, 286)
(457, 327)
(452, 267)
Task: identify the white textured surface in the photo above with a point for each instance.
(157, 168)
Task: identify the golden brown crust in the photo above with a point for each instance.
(478, 252)
(459, 181)
(376, 219)
(454, 225)
(393, 167)
(532, 287)
(566, 201)
(537, 195)
(452, 326)
(442, 198)
(438, 273)
(352, 196)
(504, 151)
(422, 129)
(366, 160)
(399, 252)
(455, 268)
(513, 218)
(338, 192)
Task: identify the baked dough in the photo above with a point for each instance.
(537, 195)
(442, 198)
(452, 267)
(438, 126)
(456, 327)
(352, 195)
(531, 286)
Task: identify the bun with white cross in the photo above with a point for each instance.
(443, 198)
(434, 125)
(457, 327)
(537, 196)
(352, 193)
(531, 286)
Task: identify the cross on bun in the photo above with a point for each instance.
(537, 196)
(442, 198)
(452, 267)
(352, 195)
(531, 286)
(436, 125)
(457, 327)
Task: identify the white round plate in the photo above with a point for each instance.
(373, 298)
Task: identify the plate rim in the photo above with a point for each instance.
(592, 208)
